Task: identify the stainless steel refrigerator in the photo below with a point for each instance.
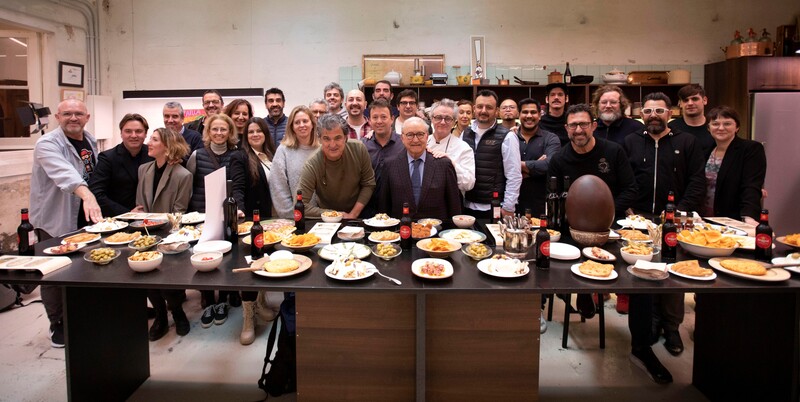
(776, 124)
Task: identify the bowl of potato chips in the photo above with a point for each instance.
(707, 243)
(634, 251)
(437, 247)
(300, 243)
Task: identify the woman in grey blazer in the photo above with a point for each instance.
(165, 187)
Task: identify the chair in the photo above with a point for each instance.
(569, 310)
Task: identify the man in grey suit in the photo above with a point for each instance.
(427, 184)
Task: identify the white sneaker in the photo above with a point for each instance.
(542, 324)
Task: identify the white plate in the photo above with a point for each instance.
(96, 238)
(370, 270)
(382, 241)
(194, 218)
(575, 270)
(463, 236)
(587, 252)
(433, 233)
(787, 260)
(416, 265)
(118, 243)
(178, 237)
(612, 235)
(49, 250)
(746, 242)
(484, 266)
(381, 223)
(331, 251)
(647, 278)
(773, 275)
(626, 223)
(221, 246)
(305, 263)
(697, 278)
(109, 227)
(563, 251)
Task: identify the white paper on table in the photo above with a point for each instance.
(216, 191)
(325, 231)
(494, 230)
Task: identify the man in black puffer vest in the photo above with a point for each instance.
(497, 168)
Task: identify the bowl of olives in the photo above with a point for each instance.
(101, 256)
(142, 243)
(387, 251)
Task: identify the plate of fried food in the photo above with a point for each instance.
(555, 235)
(281, 264)
(82, 238)
(300, 243)
(438, 248)
(107, 225)
(594, 270)
(476, 251)
(270, 238)
(598, 254)
(791, 240)
(63, 249)
(244, 228)
(422, 231)
(381, 221)
(749, 269)
(432, 268)
(121, 238)
(384, 236)
(535, 222)
(691, 269)
(634, 221)
(433, 222)
(503, 266)
(331, 216)
(463, 236)
(350, 269)
(633, 235)
(707, 243)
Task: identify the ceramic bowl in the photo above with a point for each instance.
(146, 266)
(207, 261)
(464, 221)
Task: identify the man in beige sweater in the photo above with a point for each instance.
(340, 173)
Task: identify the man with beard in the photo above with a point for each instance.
(536, 147)
(663, 160)
(557, 99)
(212, 104)
(383, 90)
(173, 119)
(492, 144)
(357, 124)
(609, 101)
(276, 121)
(334, 95)
(508, 114)
(692, 100)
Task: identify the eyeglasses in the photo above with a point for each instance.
(212, 102)
(407, 103)
(444, 118)
(507, 107)
(418, 135)
(583, 125)
(717, 124)
(69, 115)
(656, 110)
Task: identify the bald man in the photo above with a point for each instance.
(63, 162)
(355, 104)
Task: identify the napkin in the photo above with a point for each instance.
(660, 266)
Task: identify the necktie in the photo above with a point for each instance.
(416, 180)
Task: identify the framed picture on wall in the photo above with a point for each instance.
(73, 93)
(70, 74)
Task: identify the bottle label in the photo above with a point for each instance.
(297, 215)
(496, 212)
(544, 249)
(763, 240)
(32, 238)
(405, 232)
(259, 240)
(671, 239)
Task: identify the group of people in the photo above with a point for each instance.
(457, 157)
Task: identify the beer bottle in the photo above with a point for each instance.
(763, 250)
(256, 237)
(300, 214)
(496, 214)
(562, 208)
(543, 245)
(405, 229)
(669, 237)
(229, 210)
(552, 201)
(26, 237)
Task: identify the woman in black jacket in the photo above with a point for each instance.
(735, 170)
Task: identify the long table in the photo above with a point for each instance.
(426, 339)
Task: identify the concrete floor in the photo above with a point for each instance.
(211, 365)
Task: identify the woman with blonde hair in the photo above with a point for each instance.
(165, 187)
(298, 144)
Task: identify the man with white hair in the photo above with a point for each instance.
(442, 142)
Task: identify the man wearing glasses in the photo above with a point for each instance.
(340, 175)
(443, 142)
(609, 102)
(508, 114)
(416, 177)
(408, 106)
(212, 104)
(496, 160)
(663, 160)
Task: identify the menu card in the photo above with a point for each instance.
(215, 195)
(494, 230)
(45, 265)
(325, 231)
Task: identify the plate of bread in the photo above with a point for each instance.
(749, 269)
(594, 270)
(281, 264)
(691, 269)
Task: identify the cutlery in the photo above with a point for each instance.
(393, 280)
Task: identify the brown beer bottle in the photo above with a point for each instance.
(299, 214)
(405, 229)
(543, 245)
(256, 237)
(763, 250)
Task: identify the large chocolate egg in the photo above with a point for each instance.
(590, 205)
